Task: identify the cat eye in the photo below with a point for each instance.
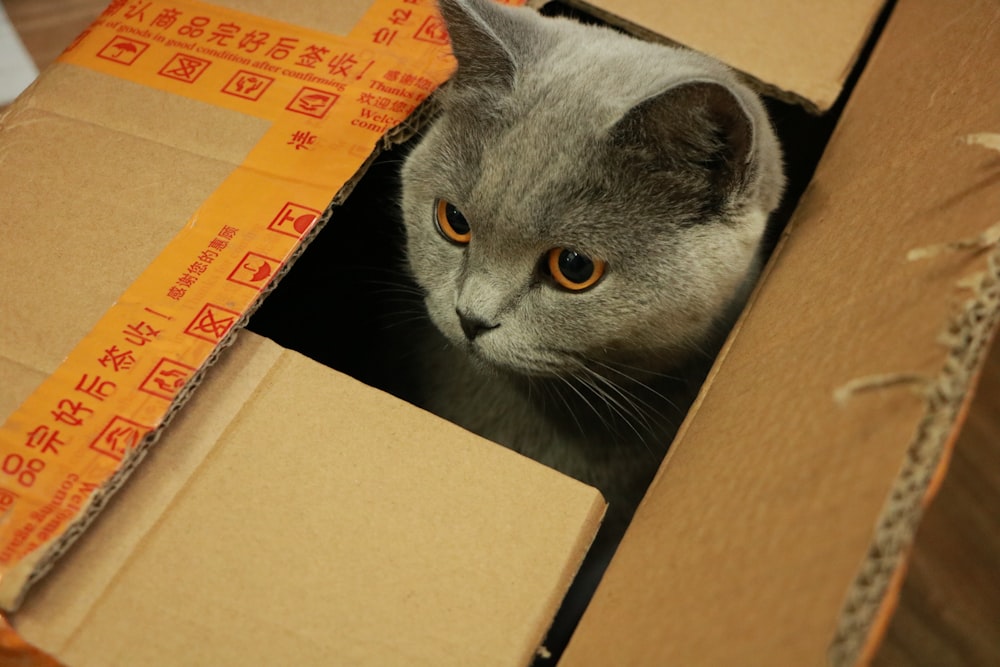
(573, 270)
(451, 223)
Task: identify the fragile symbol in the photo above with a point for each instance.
(212, 323)
(184, 68)
(254, 270)
(432, 30)
(312, 102)
(294, 220)
(167, 378)
(123, 50)
(248, 85)
(119, 437)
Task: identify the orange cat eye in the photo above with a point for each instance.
(451, 223)
(573, 270)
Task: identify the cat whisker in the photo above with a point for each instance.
(614, 366)
(569, 409)
(634, 404)
(583, 397)
(624, 412)
(644, 385)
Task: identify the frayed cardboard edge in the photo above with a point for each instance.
(871, 599)
(37, 564)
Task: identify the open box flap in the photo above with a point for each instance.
(84, 188)
(796, 50)
(773, 496)
(291, 514)
(342, 521)
(100, 167)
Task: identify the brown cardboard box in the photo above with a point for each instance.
(777, 531)
(289, 513)
(779, 528)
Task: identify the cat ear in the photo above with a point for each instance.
(701, 124)
(482, 35)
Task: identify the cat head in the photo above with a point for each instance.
(584, 198)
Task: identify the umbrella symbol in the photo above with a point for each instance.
(123, 47)
(260, 273)
(302, 223)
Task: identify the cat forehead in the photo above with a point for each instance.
(588, 74)
(546, 179)
(599, 74)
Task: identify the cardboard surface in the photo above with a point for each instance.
(801, 50)
(294, 516)
(949, 602)
(288, 500)
(110, 394)
(745, 547)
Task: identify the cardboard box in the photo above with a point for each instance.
(779, 528)
(289, 513)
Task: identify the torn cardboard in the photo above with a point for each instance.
(772, 504)
(947, 605)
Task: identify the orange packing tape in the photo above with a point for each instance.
(15, 652)
(330, 99)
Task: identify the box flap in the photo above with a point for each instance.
(56, 249)
(289, 513)
(292, 515)
(769, 500)
(230, 166)
(949, 602)
(799, 50)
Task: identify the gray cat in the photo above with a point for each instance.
(584, 219)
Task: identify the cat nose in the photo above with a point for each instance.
(473, 326)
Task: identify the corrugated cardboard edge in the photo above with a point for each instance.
(874, 594)
(37, 564)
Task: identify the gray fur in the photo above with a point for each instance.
(654, 159)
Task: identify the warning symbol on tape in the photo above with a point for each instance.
(294, 220)
(312, 102)
(248, 85)
(254, 270)
(432, 30)
(167, 378)
(212, 323)
(119, 437)
(123, 50)
(183, 67)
